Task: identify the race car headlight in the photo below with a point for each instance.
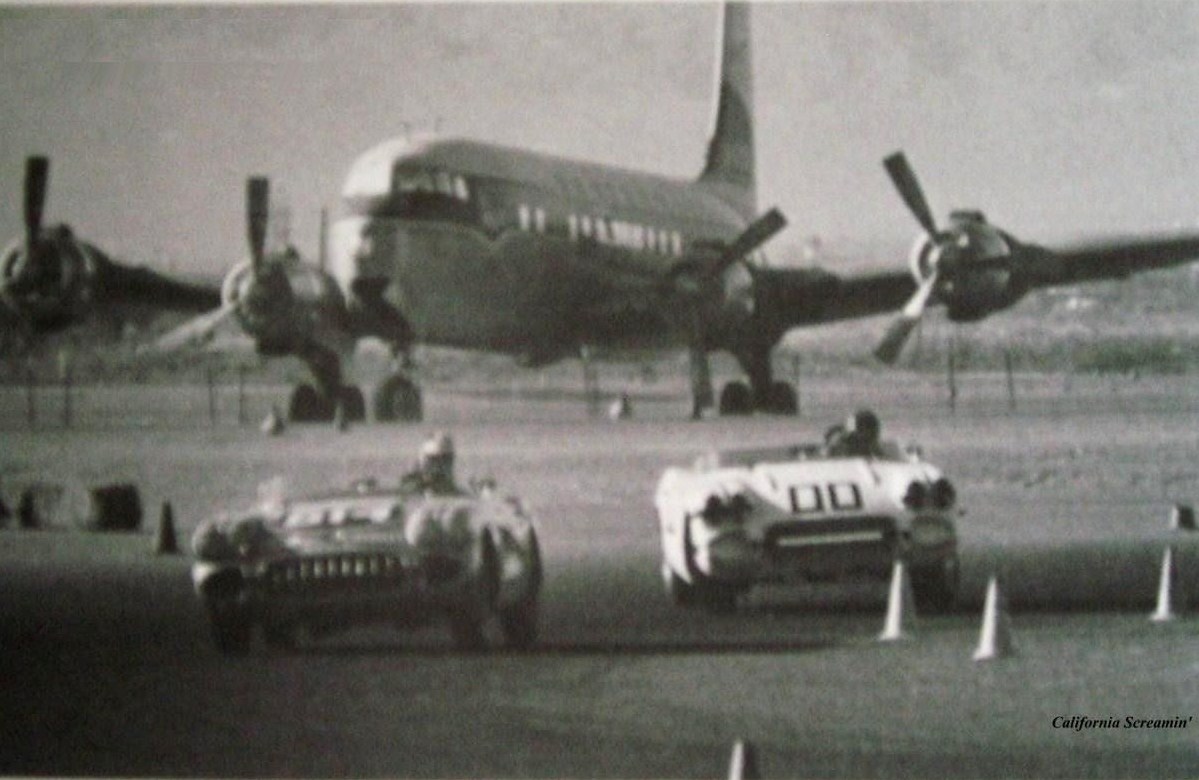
(916, 496)
(943, 494)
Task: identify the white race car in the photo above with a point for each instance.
(367, 555)
(796, 514)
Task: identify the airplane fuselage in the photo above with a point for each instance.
(487, 247)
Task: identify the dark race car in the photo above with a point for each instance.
(368, 554)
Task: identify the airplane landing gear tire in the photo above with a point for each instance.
(353, 404)
(398, 399)
(308, 405)
(782, 399)
(736, 399)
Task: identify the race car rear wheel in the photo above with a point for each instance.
(279, 636)
(230, 628)
(518, 622)
(935, 587)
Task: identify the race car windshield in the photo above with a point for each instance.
(310, 515)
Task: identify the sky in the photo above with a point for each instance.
(1058, 119)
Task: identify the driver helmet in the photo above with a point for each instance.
(437, 454)
(864, 423)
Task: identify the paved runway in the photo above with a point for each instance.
(109, 669)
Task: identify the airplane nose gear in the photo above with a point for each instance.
(398, 398)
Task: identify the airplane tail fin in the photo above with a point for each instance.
(730, 167)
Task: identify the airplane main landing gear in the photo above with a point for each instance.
(308, 405)
(736, 400)
(398, 399)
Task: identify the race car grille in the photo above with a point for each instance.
(333, 571)
(863, 536)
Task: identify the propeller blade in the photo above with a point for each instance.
(258, 203)
(37, 174)
(904, 179)
(897, 334)
(189, 333)
(759, 232)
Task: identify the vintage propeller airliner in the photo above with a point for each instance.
(467, 244)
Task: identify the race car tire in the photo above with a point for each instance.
(279, 636)
(736, 399)
(231, 628)
(518, 622)
(935, 587)
(717, 597)
(398, 399)
(307, 405)
(783, 399)
(681, 592)
(469, 619)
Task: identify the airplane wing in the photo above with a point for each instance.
(116, 283)
(1111, 259)
(810, 296)
(833, 297)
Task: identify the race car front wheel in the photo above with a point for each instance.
(935, 587)
(469, 619)
(230, 627)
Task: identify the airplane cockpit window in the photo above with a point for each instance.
(431, 194)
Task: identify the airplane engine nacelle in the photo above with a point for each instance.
(289, 303)
(52, 285)
(977, 269)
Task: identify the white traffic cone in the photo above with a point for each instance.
(744, 763)
(995, 639)
(1165, 590)
(900, 604)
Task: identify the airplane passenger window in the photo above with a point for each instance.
(460, 188)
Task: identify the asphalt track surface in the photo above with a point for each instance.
(108, 668)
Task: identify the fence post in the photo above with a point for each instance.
(67, 382)
(211, 395)
(795, 366)
(30, 397)
(1011, 382)
(952, 378)
(241, 396)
